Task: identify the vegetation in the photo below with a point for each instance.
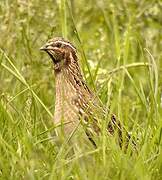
(120, 49)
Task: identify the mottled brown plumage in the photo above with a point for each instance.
(75, 103)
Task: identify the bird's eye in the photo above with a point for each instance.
(58, 45)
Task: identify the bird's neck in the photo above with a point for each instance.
(70, 75)
(72, 94)
(67, 93)
(70, 87)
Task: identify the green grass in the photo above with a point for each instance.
(120, 49)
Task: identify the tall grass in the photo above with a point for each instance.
(120, 52)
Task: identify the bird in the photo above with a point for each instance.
(75, 103)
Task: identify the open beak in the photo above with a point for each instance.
(47, 47)
(44, 48)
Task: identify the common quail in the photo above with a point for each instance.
(75, 103)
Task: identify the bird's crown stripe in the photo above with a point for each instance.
(65, 43)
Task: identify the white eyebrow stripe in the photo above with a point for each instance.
(49, 43)
(65, 43)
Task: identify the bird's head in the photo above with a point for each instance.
(62, 52)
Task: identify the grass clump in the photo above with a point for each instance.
(119, 44)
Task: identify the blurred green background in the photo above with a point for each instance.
(109, 35)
